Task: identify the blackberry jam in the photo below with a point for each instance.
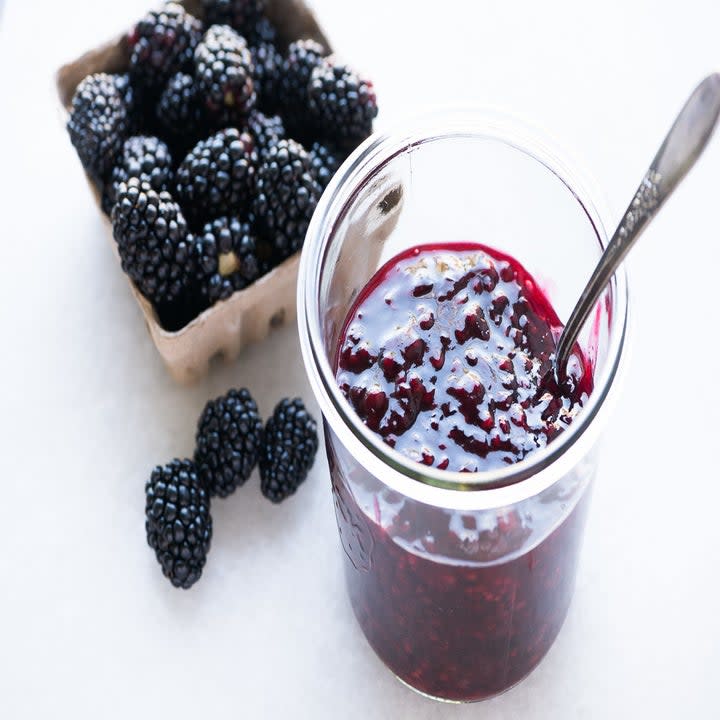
(461, 471)
(446, 354)
(454, 602)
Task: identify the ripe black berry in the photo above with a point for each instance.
(325, 162)
(163, 43)
(179, 110)
(99, 122)
(266, 131)
(145, 158)
(302, 57)
(153, 241)
(178, 522)
(136, 103)
(288, 453)
(229, 437)
(267, 74)
(225, 258)
(342, 104)
(287, 194)
(218, 175)
(223, 71)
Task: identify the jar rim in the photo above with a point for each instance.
(488, 488)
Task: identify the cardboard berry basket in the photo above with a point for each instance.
(248, 315)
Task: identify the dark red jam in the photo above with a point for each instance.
(446, 354)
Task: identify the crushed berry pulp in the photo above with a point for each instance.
(447, 355)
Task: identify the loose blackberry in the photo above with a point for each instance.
(163, 43)
(223, 72)
(302, 57)
(342, 104)
(242, 15)
(99, 122)
(153, 241)
(177, 521)
(229, 437)
(225, 255)
(267, 74)
(218, 175)
(288, 453)
(179, 110)
(266, 131)
(287, 194)
(146, 158)
(325, 162)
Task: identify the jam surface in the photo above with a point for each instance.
(447, 355)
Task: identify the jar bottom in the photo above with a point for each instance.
(455, 632)
(463, 701)
(471, 701)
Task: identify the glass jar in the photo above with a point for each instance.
(460, 581)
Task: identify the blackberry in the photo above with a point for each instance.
(218, 175)
(288, 453)
(302, 57)
(127, 90)
(325, 162)
(342, 104)
(153, 241)
(266, 131)
(179, 111)
(146, 158)
(225, 255)
(163, 43)
(223, 71)
(135, 102)
(177, 521)
(267, 75)
(229, 437)
(242, 15)
(262, 32)
(99, 122)
(287, 194)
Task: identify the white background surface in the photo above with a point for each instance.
(88, 626)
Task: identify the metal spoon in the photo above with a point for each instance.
(682, 146)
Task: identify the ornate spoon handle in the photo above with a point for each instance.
(682, 146)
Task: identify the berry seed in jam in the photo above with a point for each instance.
(447, 355)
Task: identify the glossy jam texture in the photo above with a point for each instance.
(447, 355)
(437, 602)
